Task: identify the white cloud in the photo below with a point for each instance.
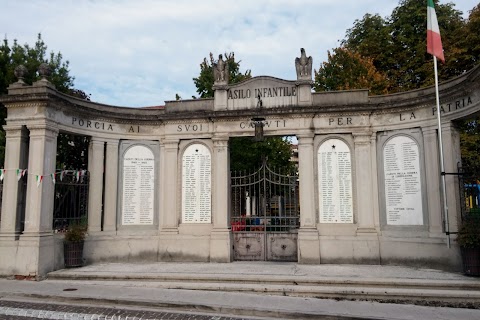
(136, 53)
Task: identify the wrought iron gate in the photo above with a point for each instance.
(265, 215)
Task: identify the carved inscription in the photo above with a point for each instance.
(403, 192)
(452, 106)
(138, 186)
(92, 124)
(335, 182)
(196, 184)
(262, 93)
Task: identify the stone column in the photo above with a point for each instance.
(221, 237)
(111, 187)
(37, 244)
(169, 170)
(16, 156)
(374, 168)
(452, 159)
(95, 190)
(432, 175)
(308, 241)
(41, 162)
(364, 185)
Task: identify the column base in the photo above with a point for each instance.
(221, 245)
(308, 246)
(367, 232)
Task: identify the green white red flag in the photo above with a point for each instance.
(434, 41)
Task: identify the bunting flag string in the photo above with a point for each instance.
(77, 174)
(39, 179)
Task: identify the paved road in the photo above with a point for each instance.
(21, 310)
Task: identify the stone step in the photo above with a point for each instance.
(454, 291)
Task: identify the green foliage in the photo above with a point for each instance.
(470, 144)
(14, 55)
(72, 151)
(76, 232)
(346, 70)
(397, 44)
(205, 80)
(31, 58)
(247, 154)
(469, 232)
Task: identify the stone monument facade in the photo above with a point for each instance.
(369, 177)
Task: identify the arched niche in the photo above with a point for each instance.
(138, 186)
(334, 163)
(197, 184)
(402, 182)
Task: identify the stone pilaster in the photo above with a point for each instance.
(95, 190)
(37, 246)
(16, 156)
(169, 170)
(111, 186)
(364, 184)
(375, 191)
(220, 97)
(221, 238)
(452, 159)
(432, 174)
(308, 241)
(304, 93)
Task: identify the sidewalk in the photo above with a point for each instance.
(279, 290)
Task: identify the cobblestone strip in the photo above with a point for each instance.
(31, 310)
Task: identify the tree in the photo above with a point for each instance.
(469, 39)
(397, 44)
(205, 80)
(346, 70)
(246, 154)
(370, 37)
(470, 144)
(31, 58)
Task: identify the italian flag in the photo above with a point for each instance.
(434, 42)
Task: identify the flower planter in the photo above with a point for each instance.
(471, 261)
(73, 253)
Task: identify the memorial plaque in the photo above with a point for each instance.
(335, 182)
(138, 186)
(196, 184)
(403, 191)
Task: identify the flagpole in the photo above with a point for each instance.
(440, 145)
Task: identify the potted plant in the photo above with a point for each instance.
(469, 241)
(73, 245)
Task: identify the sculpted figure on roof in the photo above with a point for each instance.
(303, 65)
(220, 71)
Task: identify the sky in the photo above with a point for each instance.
(139, 53)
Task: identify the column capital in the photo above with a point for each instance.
(39, 129)
(94, 141)
(362, 138)
(306, 135)
(170, 143)
(430, 130)
(112, 142)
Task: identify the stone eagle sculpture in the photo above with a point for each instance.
(304, 66)
(220, 71)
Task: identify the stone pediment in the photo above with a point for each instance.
(264, 91)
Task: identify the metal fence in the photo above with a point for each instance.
(71, 200)
(469, 182)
